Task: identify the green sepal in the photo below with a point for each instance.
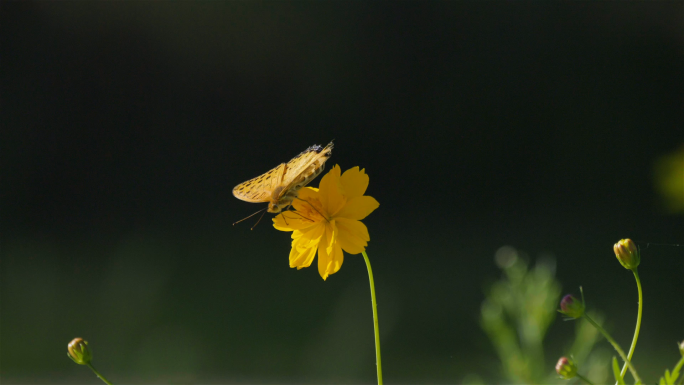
(668, 378)
(616, 372)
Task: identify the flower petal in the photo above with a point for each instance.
(354, 182)
(311, 236)
(330, 256)
(352, 235)
(302, 257)
(304, 246)
(295, 253)
(305, 194)
(358, 207)
(288, 221)
(330, 192)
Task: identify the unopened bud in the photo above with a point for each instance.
(681, 348)
(571, 307)
(627, 253)
(566, 368)
(79, 352)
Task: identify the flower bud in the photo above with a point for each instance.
(79, 352)
(681, 348)
(566, 368)
(571, 307)
(627, 253)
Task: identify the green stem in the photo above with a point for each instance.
(638, 324)
(615, 346)
(98, 374)
(586, 380)
(375, 318)
(677, 368)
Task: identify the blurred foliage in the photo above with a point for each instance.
(669, 180)
(516, 315)
(670, 378)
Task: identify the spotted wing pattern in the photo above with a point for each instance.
(259, 189)
(286, 177)
(305, 167)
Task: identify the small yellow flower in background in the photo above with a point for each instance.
(79, 352)
(627, 253)
(669, 179)
(328, 220)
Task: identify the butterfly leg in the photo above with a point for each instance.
(290, 209)
(284, 217)
(300, 214)
(313, 207)
(255, 225)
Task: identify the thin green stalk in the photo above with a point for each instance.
(586, 380)
(98, 374)
(615, 346)
(375, 318)
(638, 324)
(677, 368)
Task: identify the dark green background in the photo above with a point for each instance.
(126, 125)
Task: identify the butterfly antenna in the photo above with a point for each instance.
(251, 216)
(255, 225)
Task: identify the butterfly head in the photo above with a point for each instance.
(274, 208)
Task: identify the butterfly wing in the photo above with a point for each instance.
(304, 167)
(260, 189)
(286, 177)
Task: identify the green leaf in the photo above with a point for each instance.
(675, 375)
(616, 372)
(669, 379)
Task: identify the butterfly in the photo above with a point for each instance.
(280, 186)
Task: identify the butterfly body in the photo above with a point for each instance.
(281, 185)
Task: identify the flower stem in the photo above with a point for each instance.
(677, 368)
(98, 374)
(375, 318)
(586, 380)
(615, 346)
(638, 324)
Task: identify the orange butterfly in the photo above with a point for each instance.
(280, 186)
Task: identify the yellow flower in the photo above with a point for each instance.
(327, 219)
(79, 352)
(669, 177)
